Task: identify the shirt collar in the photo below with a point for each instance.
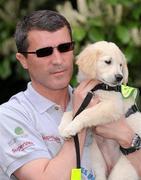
(41, 103)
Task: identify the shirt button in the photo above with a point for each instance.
(56, 108)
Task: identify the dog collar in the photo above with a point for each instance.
(106, 87)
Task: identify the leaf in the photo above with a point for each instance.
(129, 53)
(137, 12)
(122, 33)
(97, 22)
(78, 33)
(95, 35)
(112, 2)
(5, 69)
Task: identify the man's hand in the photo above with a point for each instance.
(119, 131)
(81, 92)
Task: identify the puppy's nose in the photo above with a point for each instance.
(118, 77)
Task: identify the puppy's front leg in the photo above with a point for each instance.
(100, 114)
(66, 119)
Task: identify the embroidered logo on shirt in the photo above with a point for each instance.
(51, 138)
(21, 141)
(22, 146)
(19, 131)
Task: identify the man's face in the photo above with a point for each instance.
(54, 71)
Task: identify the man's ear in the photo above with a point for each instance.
(22, 59)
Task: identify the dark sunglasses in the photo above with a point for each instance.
(47, 51)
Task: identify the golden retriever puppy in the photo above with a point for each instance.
(105, 62)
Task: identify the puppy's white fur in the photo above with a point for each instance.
(104, 61)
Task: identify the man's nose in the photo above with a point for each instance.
(57, 56)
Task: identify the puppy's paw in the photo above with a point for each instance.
(61, 128)
(68, 132)
(66, 120)
(63, 133)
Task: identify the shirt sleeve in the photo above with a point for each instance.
(20, 141)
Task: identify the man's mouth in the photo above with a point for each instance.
(58, 72)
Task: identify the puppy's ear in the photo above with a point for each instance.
(125, 71)
(86, 61)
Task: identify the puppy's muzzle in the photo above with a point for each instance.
(118, 77)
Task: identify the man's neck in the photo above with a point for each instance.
(59, 96)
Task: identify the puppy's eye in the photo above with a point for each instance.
(108, 61)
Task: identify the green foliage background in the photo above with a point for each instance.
(92, 20)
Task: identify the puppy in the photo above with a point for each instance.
(105, 62)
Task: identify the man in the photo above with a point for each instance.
(31, 147)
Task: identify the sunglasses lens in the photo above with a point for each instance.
(44, 52)
(47, 51)
(66, 47)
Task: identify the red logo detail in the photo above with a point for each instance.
(52, 138)
(22, 146)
